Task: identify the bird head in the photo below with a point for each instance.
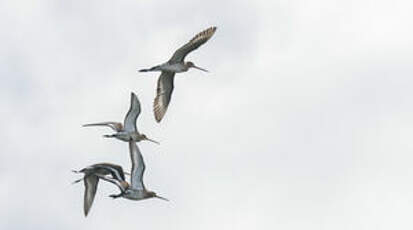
(192, 65)
(144, 137)
(153, 195)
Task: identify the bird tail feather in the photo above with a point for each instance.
(155, 68)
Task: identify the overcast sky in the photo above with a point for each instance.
(303, 122)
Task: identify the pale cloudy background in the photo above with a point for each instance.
(304, 122)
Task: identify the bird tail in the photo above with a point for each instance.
(155, 68)
(77, 181)
(109, 136)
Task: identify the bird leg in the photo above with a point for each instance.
(114, 196)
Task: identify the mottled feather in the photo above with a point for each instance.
(192, 45)
(163, 94)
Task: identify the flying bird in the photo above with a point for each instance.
(126, 131)
(136, 190)
(175, 65)
(91, 177)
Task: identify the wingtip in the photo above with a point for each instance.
(212, 29)
(133, 95)
(134, 100)
(86, 210)
(158, 116)
(158, 120)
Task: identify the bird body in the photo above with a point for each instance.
(128, 136)
(174, 67)
(169, 67)
(176, 64)
(139, 195)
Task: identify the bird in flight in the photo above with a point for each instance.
(136, 190)
(126, 131)
(176, 64)
(91, 177)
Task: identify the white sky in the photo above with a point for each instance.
(304, 121)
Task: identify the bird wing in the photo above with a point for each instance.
(138, 167)
(116, 171)
(91, 184)
(116, 126)
(192, 45)
(132, 115)
(103, 169)
(163, 94)
(111, 180)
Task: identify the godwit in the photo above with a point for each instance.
(91, 179)
(136, 190)
(128, 130)
(175, 65)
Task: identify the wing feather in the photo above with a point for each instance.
(111, 180)
(116, 171)
(138, 167)
(163, 94)
(192, 45)
(116, 126)
(91, 184)
(132, 115)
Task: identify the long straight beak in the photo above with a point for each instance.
(152, 141)
(196, 67)
(162, 198)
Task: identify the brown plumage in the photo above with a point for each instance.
(174, 65)
(192, 45)
(163, 94)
